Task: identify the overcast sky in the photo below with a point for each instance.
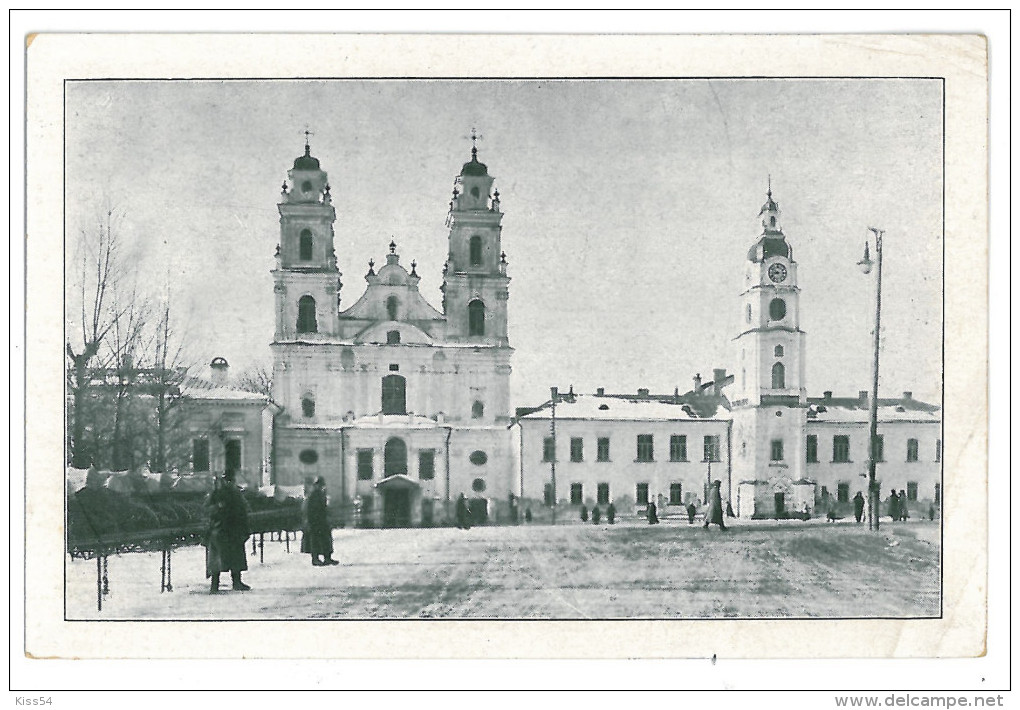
(629, 209)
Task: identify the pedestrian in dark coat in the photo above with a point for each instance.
(715, 506)
(894, 505)
(904, 513)
(691, 512)
(463, 513)
(611, 514)
(859, 506)
(596, 515)
(317, 540)
(228, 531)
(653, 513)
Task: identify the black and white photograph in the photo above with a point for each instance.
(557, 349)
(405, 358)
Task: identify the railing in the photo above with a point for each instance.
(281, 523)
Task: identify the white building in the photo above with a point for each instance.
(399, 405)
(627, 449)
(781, 452)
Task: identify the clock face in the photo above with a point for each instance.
(777, 272)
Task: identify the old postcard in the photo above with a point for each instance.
(506, 346)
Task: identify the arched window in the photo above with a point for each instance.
(779, 351)
(476, 250)
(777, 309)
(307, 406)
(306, 245)
(394, 395)
(393, 337)
(477, 410)
(778, 376)
(474, 192)
(391, 307)
(306, 315)
(395, 457)
(772, 221)
(476, 318)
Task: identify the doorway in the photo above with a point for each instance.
(232, 455)
(780, 499)
(397, 508)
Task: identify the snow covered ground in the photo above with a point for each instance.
(762, 568)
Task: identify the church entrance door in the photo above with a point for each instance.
(397, 508)
(780, 499)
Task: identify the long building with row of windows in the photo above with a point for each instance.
(776, 451)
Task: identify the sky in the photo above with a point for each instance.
(629, 209)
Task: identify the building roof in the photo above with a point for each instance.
(630, 408)
(197, 388)
(857, 409)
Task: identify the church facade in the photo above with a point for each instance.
(400, 406)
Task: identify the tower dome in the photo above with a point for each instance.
(474, 168)
(306, 161)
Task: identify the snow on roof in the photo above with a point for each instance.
(622, 409)
(196, 388)
(827, 411)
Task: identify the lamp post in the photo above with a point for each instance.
(866, 264)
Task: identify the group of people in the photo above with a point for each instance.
(596, 514)
(229, 530)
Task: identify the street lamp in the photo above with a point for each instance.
(865, 265)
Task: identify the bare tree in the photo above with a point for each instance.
(100, 267)
(257, 378)
(125, 342)
(168, 373)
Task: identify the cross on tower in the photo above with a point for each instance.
(770, 185)
(307, 133)
(475, 137)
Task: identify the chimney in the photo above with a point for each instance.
(570, 395)
(697, 383)
(642, 392)
(554, 393)
(219, 368)
(863, 397)
(600, 392)
(718, 375)
(908, 395)
(827, 395)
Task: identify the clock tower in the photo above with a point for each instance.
(770, 399)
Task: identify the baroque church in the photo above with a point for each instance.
(399, 405)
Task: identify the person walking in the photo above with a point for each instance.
(691, 512)
(653, 514)
(715, 506)
(611, 514)
(859, 506)
(463, 513)
(894, 505)
(317, 540)
(904, 513)
(228, 531)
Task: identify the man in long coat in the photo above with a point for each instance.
(894, 505)
(228, 531)
(463, 513)
(317, 540)
(653, 513)
(859, 506)
(715, 506)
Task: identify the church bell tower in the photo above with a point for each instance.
(475, 284)
(307, 281)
